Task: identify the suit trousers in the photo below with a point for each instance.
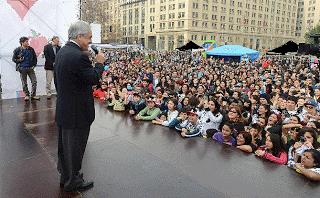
(49, 77)
(71, 147)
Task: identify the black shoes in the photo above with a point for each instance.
(82, 187)
(85, 186)
(80, 175)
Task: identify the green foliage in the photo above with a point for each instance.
(315, 30)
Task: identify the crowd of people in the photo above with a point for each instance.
(269, 107)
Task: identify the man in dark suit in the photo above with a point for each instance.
(50, 52)
(74, 77)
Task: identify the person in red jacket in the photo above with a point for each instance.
(273, 151)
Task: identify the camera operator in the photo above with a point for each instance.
(26, 60)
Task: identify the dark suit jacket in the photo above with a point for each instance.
(49, 55)
(74, 78)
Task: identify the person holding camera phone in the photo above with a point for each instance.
(307, 140)
(290, 131)
(26, 60)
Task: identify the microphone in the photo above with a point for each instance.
(95, 49)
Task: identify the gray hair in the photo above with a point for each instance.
(78, 28)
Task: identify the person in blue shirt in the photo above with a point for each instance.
(26, 60)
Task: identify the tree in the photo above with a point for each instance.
(314, 31)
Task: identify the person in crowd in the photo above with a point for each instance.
(185, 103)
(263, 111)
(172, 114)
(244, 142)
(210, 119)
(309, 113)
(150, 112)
(271, 103)
(182, 120)
(225, 136)
(235, 118)
(192, 129)
(273, 119)
(291, 108)
(146, 86)
(310, 165)
(290, 131)
(258, 135)
(307, 140)
(273, 151)
(137, 104)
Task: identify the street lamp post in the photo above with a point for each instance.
(80, 9)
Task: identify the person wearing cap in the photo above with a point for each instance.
(264, 99)
(309, 112)
(182, 119)
(150, 112)
(193, 128)
(137, 104)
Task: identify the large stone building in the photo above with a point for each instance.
(105, 12)
(133, 21)
(312, 13)
(300, 27)
(258, 24)
(167, 24)
(308, 17)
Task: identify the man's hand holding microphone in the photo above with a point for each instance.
(100, 58)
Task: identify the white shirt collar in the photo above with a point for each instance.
(74, 42)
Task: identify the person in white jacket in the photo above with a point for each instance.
(210, 118)
(172, 114)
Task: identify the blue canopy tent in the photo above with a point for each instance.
(234, 53)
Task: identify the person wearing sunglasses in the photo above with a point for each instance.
(309, 112)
